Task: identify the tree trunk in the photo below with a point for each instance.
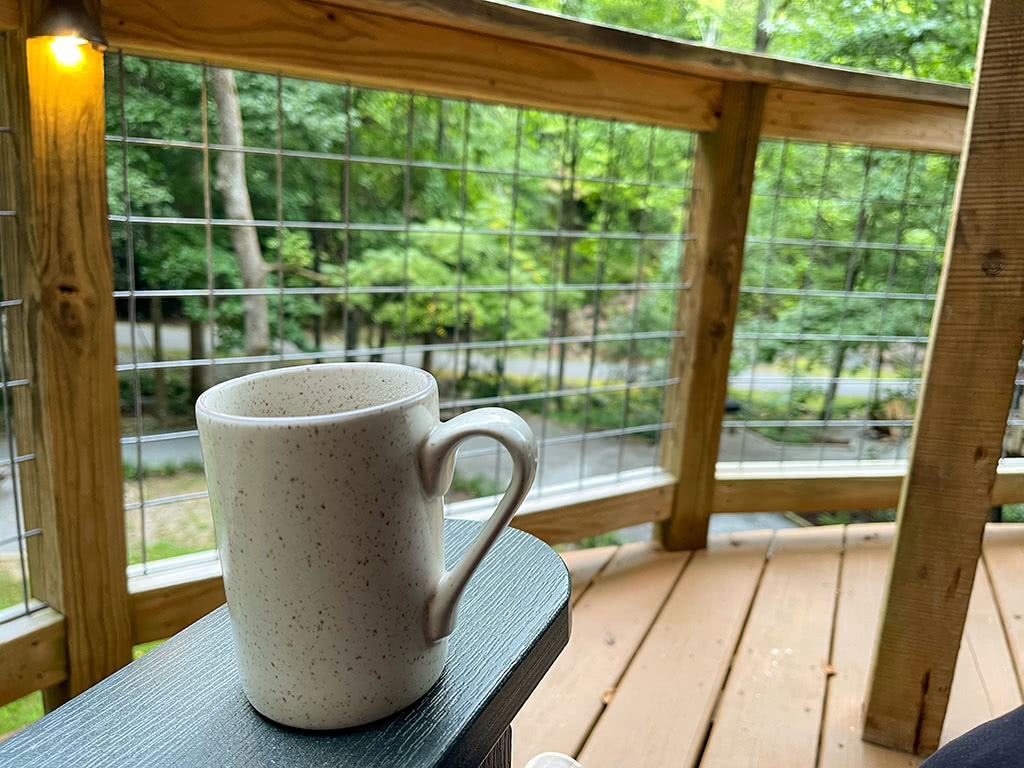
(159, 377)
(428, 353)
(762, 35)
(352, 333)
(382, 337)
(468, 367)
(232, 185)
(568, 222)
(440, 130)
(318, 317)
(840, 355)
(196, 351)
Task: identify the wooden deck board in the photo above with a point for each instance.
(1004, 556)
(654, 635)
(862, 583)
(609, 621)
(770, 711)
(662, 708)
(584, 565)
(984, 683)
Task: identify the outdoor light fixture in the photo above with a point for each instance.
(69, 25)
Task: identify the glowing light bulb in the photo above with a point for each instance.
(67, 50)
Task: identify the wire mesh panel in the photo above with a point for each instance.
(527, 259)
(15, 592)
(843, 257)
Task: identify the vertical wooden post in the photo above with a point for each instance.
(24, 321)
(965, 397)
(723, 176)
(67, 279)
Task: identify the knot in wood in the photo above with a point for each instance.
(992, 263)
(71, 309)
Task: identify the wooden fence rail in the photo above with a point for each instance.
(465, 48)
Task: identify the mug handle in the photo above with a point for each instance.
(437, 467)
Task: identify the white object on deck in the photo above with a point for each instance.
(552, 760)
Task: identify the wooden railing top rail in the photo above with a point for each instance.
(502, 53)
(507, 20)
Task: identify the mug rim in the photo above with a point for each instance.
(204, 409)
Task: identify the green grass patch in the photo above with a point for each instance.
(11, 592)
(803, 404)
(21, 712)
(162, 549)
(143, 648)
(167, 469)
(611, 539)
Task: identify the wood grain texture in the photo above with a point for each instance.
(327, 41)
(79, 384)
(1004, 556)
(10, 14)
(163, 604)
(34, 654)
(770, 711)
(24, 330)
(873, 122)
(974, 348)
(821, 488)
(661, 711)
(584, 565)
(182, 703)
(805, 488)
(984, 683)
(503, 19)
(609, 622)
(862, 584)
(501, 753)
(574, 516)
(719, 208)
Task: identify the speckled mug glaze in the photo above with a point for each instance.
(326, 483)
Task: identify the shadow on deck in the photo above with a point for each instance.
(755, 651)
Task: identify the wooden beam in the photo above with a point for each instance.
(24, 326)
(493, 52)
(972, 358)
(326, 41)
(836, 485)
(162, 604)
(561, 519)
(869, 121)
(78, 379)
(723, 177)
(505, 20)
(34, 651)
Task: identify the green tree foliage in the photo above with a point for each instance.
(933, 39)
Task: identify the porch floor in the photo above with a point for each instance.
(755, 651)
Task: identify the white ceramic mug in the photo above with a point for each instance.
(326, 483)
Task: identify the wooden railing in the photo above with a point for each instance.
(467, 48)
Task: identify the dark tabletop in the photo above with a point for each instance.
(182, 705)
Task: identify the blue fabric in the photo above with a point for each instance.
(998, 743)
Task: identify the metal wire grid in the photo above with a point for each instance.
(583, 171)
(15, 588)
(842, 263)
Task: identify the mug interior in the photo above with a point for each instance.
(316, 390)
